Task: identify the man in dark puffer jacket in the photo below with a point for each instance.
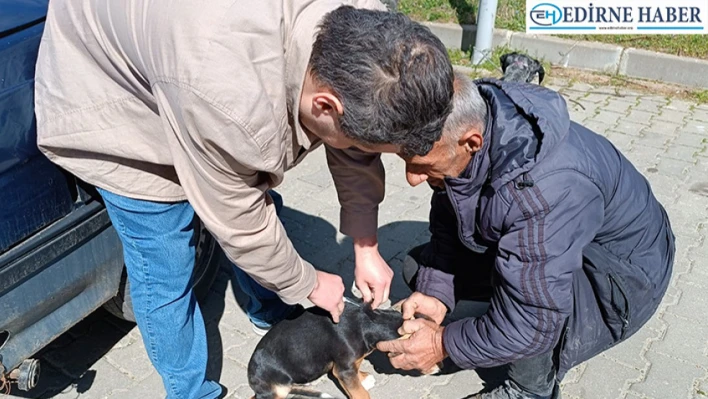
(546, 220)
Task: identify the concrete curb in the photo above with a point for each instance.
(592, 56)
(462, 37)
(574, 54)
(670, 68)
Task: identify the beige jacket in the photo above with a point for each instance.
(172, 100)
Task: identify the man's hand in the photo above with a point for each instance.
(422, 304)
(328, 294)
(423, 351)
(372, 274)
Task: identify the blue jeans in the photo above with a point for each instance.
(159, 248)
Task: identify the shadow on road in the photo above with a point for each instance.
(67, 361)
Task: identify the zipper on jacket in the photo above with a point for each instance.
(457, 218)
(457, 211)
(624, 315)
(561, 344)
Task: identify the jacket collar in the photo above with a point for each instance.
(464, 191)
(524, 125)
(302, 21)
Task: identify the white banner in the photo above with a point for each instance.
(617, 17)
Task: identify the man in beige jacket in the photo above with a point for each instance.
(172, 108)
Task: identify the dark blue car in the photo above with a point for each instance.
(60, 258)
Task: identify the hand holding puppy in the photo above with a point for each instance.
(421, 346)
(423, 305)
(423, 350)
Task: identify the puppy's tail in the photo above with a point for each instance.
(306, 393)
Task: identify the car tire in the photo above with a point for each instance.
(206, 267)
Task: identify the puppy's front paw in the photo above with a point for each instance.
(368, 382)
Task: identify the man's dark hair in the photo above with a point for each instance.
(392, 75)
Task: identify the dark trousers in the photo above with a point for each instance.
(535, 375)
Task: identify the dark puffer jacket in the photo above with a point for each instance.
(581, 250)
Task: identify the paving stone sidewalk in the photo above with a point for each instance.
(666, 139)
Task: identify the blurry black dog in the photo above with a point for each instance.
(309, 344)
(521, 68)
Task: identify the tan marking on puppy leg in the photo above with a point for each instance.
(367, 381)
(357, 366)
(351, 383)
(363, 375)
(398, 306)
(281, 391)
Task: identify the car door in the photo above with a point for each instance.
(33, 191)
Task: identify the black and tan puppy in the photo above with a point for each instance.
(308, 345)
(521, 68)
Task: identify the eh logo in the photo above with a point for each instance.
(546, 14)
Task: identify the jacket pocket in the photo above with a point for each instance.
(620, 304)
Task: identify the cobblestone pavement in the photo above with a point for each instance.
(666, 139)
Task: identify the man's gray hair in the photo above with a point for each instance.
(469, 110)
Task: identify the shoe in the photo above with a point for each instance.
(262, 328)
(260, 331)
(509, 390)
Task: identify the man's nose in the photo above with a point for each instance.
(415, 179)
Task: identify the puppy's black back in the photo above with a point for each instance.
(304, 347)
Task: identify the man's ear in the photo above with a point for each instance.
(472, 140)
(325, 102)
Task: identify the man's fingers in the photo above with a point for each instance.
(402, 362)
(395, 346)
(411, 326)
(409, 308)
(365, 291)
(399, 362)
(336, 313)
(396, 353)
(377, 293)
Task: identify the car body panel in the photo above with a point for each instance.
(33, 191)
(17, 14)
(58, 283)
(60, 258)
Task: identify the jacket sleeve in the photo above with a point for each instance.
(221, 167)
(443, 254)
(546, 230)
(359, 178)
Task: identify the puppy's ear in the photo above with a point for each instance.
(502, 61)
(541, 73)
